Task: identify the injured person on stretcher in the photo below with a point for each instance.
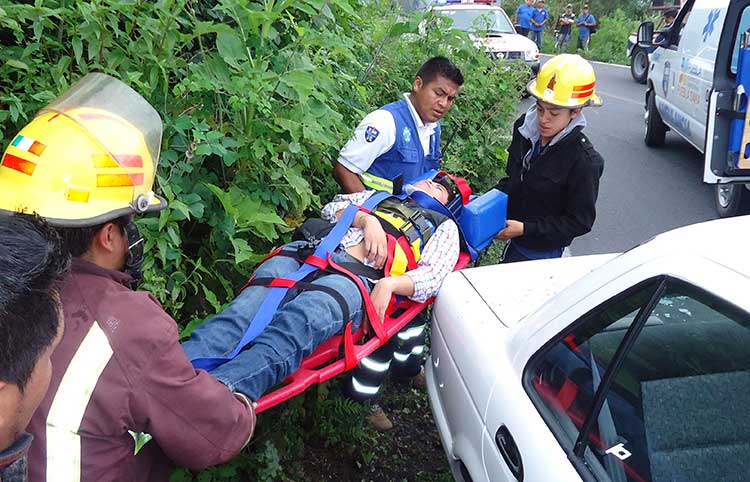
(398, 247)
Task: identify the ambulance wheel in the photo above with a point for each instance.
(639, 65)
(656, 129)
(732, 200)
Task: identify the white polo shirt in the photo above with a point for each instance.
(376, 135)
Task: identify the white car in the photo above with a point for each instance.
(502, 41)
(630, 367)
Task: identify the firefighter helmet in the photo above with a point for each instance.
(88, 157)
(566, 81)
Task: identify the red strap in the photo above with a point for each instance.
(316, 261)
(350, 358)
(463, 187)
(372, 314)
(364, 210)
(411, 261)
(391, 254)
(248, 283)
(282, 283)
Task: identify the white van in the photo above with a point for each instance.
(693, 90)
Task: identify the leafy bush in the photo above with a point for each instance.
(257, 98)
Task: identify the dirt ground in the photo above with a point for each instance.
(411, 451)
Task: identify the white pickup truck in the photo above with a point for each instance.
(698, 88)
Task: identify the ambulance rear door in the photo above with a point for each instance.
(727, 151)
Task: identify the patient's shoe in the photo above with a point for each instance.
(419, 381)
(379, 420)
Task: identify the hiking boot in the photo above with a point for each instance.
(419, 382)
(379, 420)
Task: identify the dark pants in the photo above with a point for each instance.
(512, 254)
(522, 31)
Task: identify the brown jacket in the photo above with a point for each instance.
(120, 369)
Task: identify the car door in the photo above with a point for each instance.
(651, 386)
(727, 151)
(674, 109)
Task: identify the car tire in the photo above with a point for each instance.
(639, 65)
(731, 200)
(656, 129)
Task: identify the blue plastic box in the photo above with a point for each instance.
(483, 217)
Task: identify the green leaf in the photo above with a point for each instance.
(77, 49)
(231, 48)
(17, 64)
(242, 251)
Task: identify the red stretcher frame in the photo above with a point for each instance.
(324, 363)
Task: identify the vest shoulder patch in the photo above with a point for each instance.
(371, 133)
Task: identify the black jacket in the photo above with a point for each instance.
(556, 200)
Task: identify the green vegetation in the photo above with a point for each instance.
(617, 20)
(257, 98)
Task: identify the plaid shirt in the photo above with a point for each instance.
(439, 255)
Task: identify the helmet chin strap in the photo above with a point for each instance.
(134, 260)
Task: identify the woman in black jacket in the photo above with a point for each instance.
(553, 170)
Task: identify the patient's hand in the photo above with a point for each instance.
(381, 295)
(376, 244)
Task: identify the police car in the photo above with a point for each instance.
(502, 41)
(697, 87)
(631, 367)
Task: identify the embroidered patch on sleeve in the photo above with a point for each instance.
(371, 134)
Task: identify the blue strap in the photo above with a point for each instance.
(271, 303)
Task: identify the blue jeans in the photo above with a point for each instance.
(303, 321)
(536, 36)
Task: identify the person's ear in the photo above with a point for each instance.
(106, 238)
(574, 113)
(418, 84)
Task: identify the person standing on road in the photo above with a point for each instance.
(539, 17)
(584, 23)
(124, 403)
(565, 22)
(553, 169)
(522, 19)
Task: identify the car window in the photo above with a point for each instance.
(492, 21)
(744, 27)
(676, 408)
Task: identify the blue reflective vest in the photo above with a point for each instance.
(406, 157)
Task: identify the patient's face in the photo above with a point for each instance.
(434, 189)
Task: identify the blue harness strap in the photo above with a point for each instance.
(270, 304)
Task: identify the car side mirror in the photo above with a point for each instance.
(646, 35)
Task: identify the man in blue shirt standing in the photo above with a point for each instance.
(584, 23)
(523, 17)
(539, 17)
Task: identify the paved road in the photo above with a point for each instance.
(644, 191)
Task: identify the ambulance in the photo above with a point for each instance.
(698, 86)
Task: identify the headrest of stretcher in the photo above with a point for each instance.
(483, 217)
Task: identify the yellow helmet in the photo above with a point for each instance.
(566, 81)
(87, 158)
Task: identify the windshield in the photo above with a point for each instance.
(493, 21)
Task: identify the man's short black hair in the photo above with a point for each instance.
(31, 262)
(76, 241)
(671, 13)
(443, 67)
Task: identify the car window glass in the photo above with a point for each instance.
(491, 21)
(680, 26)
(676, 409)
(744, 27)
(563, 376)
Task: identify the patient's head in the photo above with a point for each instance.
(442, 187)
